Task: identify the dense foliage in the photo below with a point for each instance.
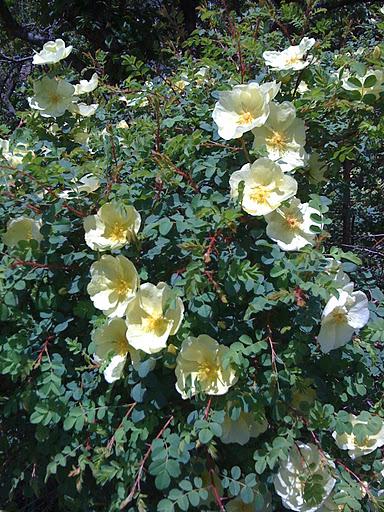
(97, 172)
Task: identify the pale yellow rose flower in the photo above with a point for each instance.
(243, 108)
(22, 228)
(86, 86)
(52, 97)
(358, 448)
(114, 282)
(200, 367)
(83, 109)
(265, 186)
(110, 339)
(52, 52)
(241, 429)
(87, 184)
(304, 461)
(15, 155)
(290, 226)
(283, 135)
(293, 57)
(114, 226)
(151, 318)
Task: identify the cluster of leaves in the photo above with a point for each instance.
(71, 441)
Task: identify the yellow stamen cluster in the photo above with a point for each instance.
(245, 118)
(277, 140)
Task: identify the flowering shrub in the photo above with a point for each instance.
(178, 331)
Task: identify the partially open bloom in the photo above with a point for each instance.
(290, 226)
(200, 367)
(151, 317)
(243, 108)
(22, 228)
(52, 52)
(114, 282)
(241, 429)
(87, 184)
(304, 461)
(265, 186)
(341, 317)
(15, 155)
(283, 135)
(293, 57)
(114, 225)
(357, 447)
(238, 505)
(334, 269)
(110, 340)
(83, 109)
(85, 86)
(52, 97)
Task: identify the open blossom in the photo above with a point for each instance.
(283, 135)
(293, 57)
(200, 367)
(243, 108)
(358, 447)
(22, 228)
(52, 52)
(86, 86)
(114, 282)
(265, 186)
(52, 97)
(290, 226)
(304, 461)
(110, 340)
(370, 83)
(114, 225)
(151, 317)
(341, 317)
(241, 429)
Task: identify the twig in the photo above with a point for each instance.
(136, 484)
(42, 351)
(111, 442)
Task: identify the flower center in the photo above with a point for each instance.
(118, 232)
(55, 98)
(208, 371)
(293, 59)
(121, 346)
(259, 194)
(293, 223)
(122, 288)
(277, 140)
(245, 118)
(339, 316)
(156, 324)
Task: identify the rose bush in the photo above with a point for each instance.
(178, 330)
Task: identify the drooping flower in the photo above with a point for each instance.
(243, 108)
(265, 186)
(241, 429)
(22, 228)
(305, 461)
(293, 57)
(283, 135)
(86, 86)
(238, 505)
(357, 444)
(15, 155)
(341, 317)
(334, 269)
(151, 317)
(290, 226)
(52, 52)
(200, 367)
(110, 340)
(114, 282)
(52, 97)
(114, 225)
